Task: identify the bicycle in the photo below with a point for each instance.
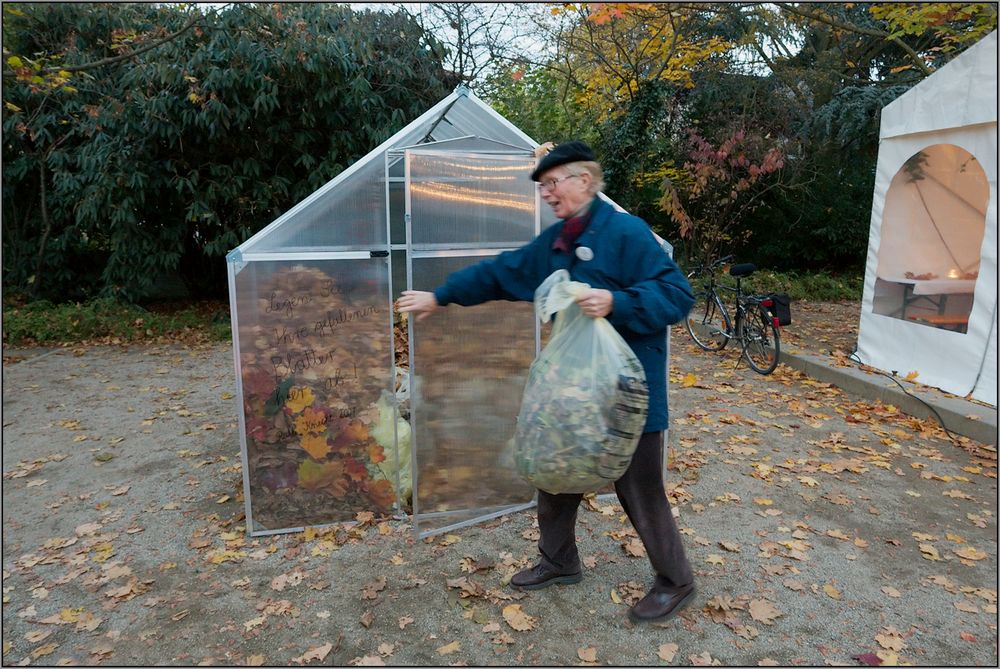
(755, 327)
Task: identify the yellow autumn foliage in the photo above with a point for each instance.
(615, 52)
(299, 398)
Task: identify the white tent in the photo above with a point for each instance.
(930, 293)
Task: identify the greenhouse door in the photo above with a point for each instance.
(468, 365)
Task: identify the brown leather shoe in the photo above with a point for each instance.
(540, 576)
(662, 603)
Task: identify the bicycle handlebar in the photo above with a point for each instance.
(710, 267)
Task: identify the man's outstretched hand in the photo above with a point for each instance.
(420, 302)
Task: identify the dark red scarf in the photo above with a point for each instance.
(571, 229)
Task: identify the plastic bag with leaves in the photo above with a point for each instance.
(585, 401)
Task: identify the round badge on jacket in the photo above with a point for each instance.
(584, 253)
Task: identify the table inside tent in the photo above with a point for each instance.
(932, 291)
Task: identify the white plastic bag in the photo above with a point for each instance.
(585, 402)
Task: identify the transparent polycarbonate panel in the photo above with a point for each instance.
(467, 117)
(345, 216)
(469, 144)
(469, 370)
(473, 200)
(314, 366)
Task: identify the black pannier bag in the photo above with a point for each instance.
(782, 308)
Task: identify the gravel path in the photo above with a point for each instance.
(821, 529)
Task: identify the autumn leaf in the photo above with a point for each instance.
(310, 422)
(966, 606)
(36, 636)
(890, 641)
(254, 622)
(372, 588)
(715, 559)
(316, 476)
(731, 546)
(447, 649)
(634, 548)
(357, 431)
(87, 529)
(404, 621)
(316, 445)
(763, 611)
(703, 660)
(912, 376)
(689, 380)
(299, 398)
(254, 660)
(281, 581)
(763, 501)
(667, 651)
(891, 592)
(929, 552)
(970, 553)
(888, 658)
(318, 653)
(518, 619)
(367, 661)
(870, 659)
(588, 654)
(831, 591)
(47, 649)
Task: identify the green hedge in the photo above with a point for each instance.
(42, 322)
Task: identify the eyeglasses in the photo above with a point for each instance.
(549, 184)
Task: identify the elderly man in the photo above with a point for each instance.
(640, 290)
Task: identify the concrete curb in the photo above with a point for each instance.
(958, 415)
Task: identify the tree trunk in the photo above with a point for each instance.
(46, 229)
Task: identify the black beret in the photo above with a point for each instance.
(568, 152)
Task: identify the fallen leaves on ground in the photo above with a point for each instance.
(518, 619)
(317, 653)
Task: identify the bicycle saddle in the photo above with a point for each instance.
(743, 269)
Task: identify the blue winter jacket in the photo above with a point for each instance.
(650, 292)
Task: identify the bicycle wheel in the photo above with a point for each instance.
(761, 340)
(708, 322)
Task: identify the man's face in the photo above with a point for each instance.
(564, 191)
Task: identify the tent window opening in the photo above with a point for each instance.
(932, 234)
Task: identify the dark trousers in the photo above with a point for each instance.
(640, 491)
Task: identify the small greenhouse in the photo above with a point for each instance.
(344, 408)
